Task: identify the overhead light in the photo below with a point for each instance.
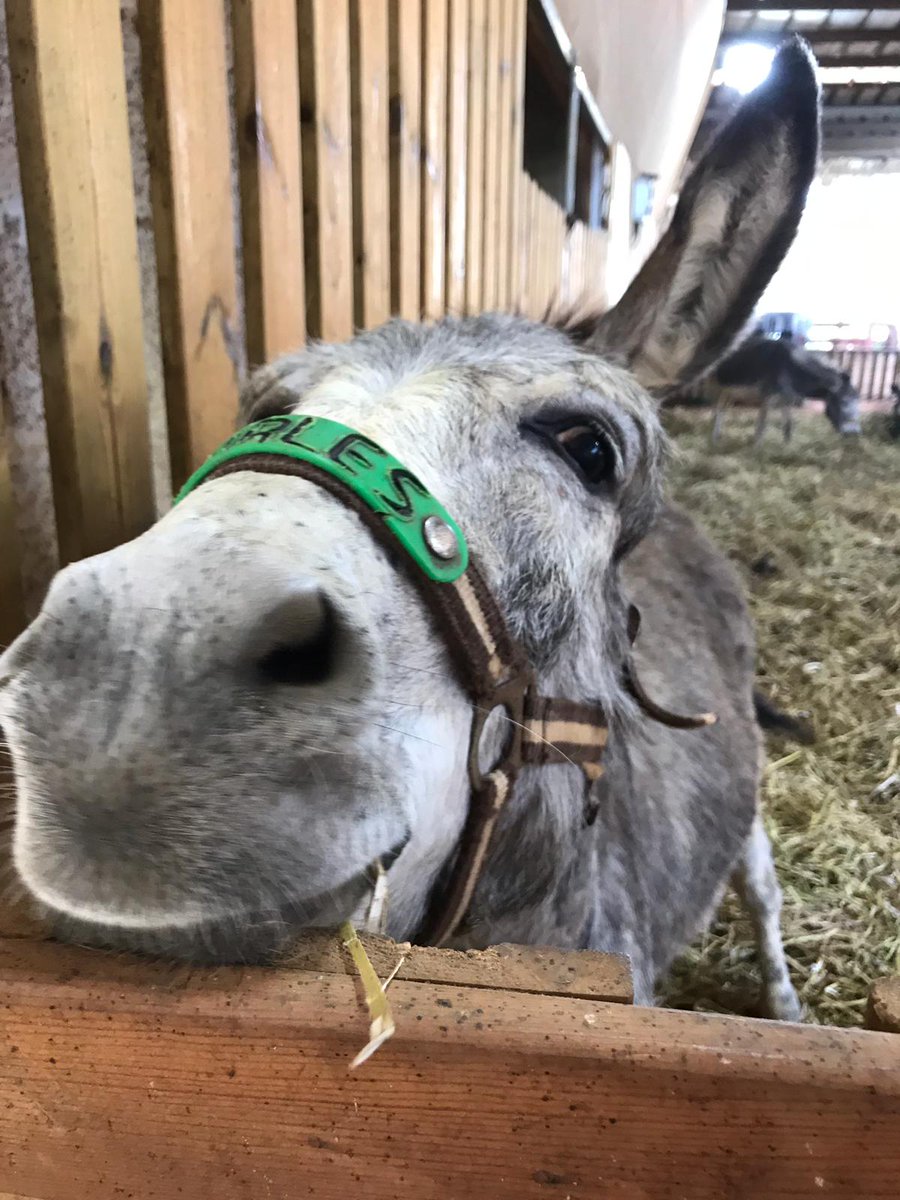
(745, 65)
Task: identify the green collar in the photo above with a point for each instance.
(416, 519)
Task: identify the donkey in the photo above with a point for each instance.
(785, 374)
(217, 728)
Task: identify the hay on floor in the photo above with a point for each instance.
(815, 530)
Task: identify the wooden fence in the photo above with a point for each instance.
(872, 372)
(313, 168)
(533, 1080)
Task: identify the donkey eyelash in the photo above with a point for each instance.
(563, 434)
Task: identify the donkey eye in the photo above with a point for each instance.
(590, 450)
(583, 442)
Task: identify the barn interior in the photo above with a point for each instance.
(190, 191)
(808, 524)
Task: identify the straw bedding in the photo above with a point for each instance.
(814, 529)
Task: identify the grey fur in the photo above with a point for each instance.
(174, 797)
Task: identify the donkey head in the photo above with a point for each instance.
(842, 406)
(216, 728)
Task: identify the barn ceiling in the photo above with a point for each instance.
(858, 47)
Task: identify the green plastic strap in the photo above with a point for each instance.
(383, 483)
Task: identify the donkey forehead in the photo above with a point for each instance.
(459, 381)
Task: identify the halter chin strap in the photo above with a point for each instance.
(490, 665)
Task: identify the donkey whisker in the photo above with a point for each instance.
(518, 724)
(406, 733)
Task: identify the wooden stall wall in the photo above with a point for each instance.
(872, 372)
(312, 167)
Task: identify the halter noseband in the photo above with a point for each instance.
(490, 665)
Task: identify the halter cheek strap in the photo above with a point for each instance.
(490, 665)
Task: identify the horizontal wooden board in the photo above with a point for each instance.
(514, 968)
(119, 1077)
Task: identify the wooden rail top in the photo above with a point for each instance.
(127, 1078)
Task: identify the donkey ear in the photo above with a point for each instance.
(737, 216)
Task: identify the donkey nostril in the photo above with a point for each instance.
(305, 654)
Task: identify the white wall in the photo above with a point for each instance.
(648, 62)
(845, 263)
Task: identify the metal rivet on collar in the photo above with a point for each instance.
(440, 538)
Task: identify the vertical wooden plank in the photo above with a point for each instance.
(525, 283)
(549, 253)
(491, 153)
(72, 132)
(537, 251)
(518, 279)
(476, 142)
(188, 138)
(877, 374)
(618, 259)
(457, 154)
(435, 15)
(541, 250)
(504, 153)
(560, 274)
(324, 39)
(12, 615)
(406, 156)
(517, 145)
(569, 279)
(528, 236)
(854, 365)
(596, 269)
(536, 260)
(369, 67)
(577, 251)
(563, 259)
(546, 234)
(871, 365)
(267, 92)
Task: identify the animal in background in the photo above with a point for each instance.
(784, 375)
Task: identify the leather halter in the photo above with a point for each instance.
(493, 671)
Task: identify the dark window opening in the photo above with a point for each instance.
(566, 142)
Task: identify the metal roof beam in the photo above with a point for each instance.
(758, 6)
(862, 147)
(870, 113)
(852, 61)
(816, 37)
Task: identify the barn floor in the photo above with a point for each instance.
(814, 529)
